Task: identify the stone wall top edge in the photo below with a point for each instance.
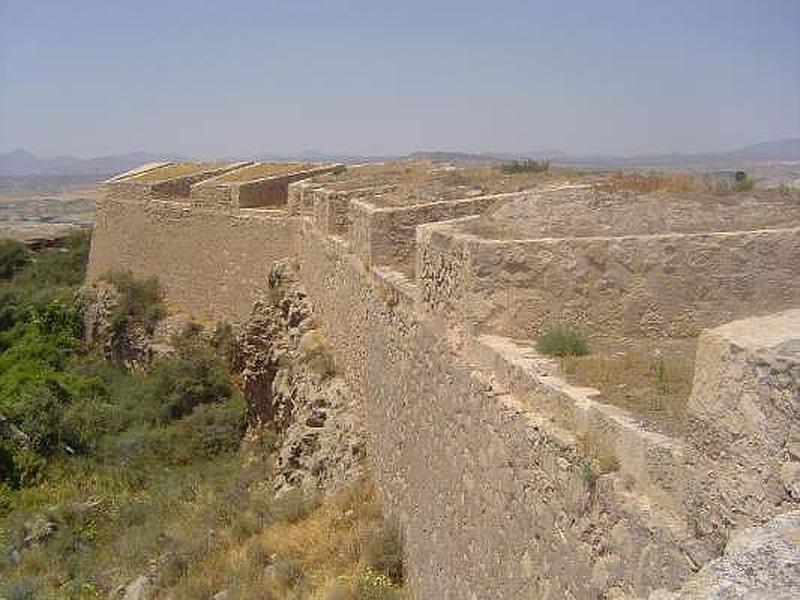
(450, 229)
(187, 207)
(130, 182)
(584, 399)
(287, 176)
(366, 205)
(145, 168)
(398, 282)
(547, 377)
(775, 332)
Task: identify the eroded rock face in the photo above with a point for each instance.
(133, 346)
(290, 384)
(744, 422)
(759, 562)
(130, 347)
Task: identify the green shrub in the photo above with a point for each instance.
(38, 414)
(88, 421)
(20, 588)
(26, 467)
(13, 256)
(214, 428)
(48, 277)
(563, 340)
(525, 166)
(58, 267)
(140, 301)
(189, 380)
(744, 185)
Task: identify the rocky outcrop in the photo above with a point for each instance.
(135, 345)
(290, 383)
(759, 562)
(129, 347)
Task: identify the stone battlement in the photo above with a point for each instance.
(431, 283)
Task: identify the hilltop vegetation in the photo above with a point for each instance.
(113, 478)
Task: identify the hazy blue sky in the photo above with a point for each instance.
(247, 77)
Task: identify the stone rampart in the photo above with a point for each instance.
(211, 264)
(387, 235)
(491, 495)
(507, 481)
(238, 190)
(666, 285)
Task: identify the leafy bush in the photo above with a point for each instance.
(13, 256)
(58, 267)
(563, 340)
(367, 585)
(189, 380)
(375, 586)
(48, 277)
(744, 184)
(214, 428)
(526, 165)
(140, 301)
(20, 588)
(110, 454)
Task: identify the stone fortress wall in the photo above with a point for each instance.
(491, 462)
(210, 243)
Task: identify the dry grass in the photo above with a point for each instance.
(601, 457)
(656, 389)
(317, 353)
(327, 554)
(261, 170)
(174, 171)
(653, 182)
(403, 183)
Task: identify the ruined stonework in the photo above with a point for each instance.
(291, 386)
(509, 482)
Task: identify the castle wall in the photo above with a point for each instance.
(387, 235)
(492, 497)
(668, 285)
(492, 464)
(211, 264)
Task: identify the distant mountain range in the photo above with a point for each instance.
(774, 151)
(22, 162)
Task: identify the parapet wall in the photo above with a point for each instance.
(492, 497)
(191, 226)
(490, 460)
(666, 285)
(211, 264)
